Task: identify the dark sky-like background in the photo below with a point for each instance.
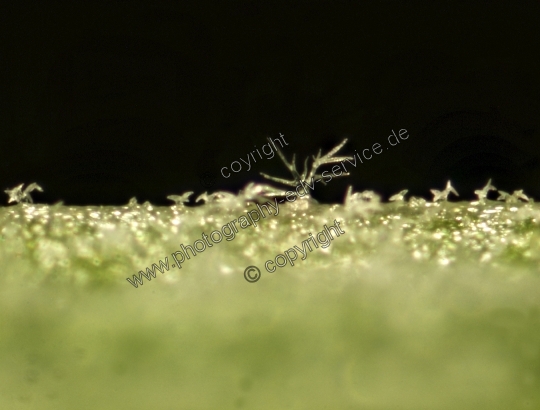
(105, 100)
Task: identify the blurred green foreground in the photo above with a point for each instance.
(426, 306)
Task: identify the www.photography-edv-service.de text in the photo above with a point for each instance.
(230, 230)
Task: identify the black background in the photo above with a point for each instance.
(106, 100)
